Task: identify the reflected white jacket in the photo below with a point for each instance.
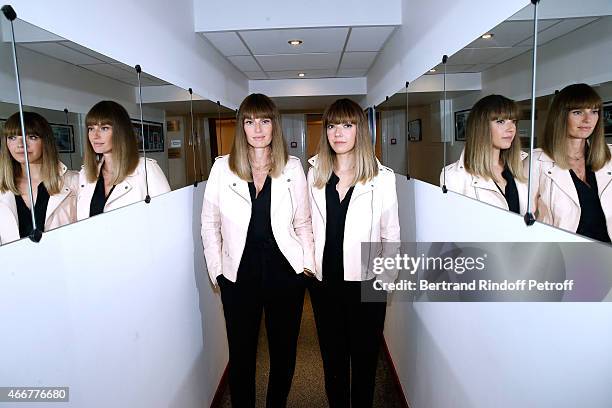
(61, 208)
(555, 197)
(372, 217)
(131, 190)
(479, 188)
(226, 213)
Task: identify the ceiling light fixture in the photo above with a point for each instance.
(295, 43)
(432, 70)
(301, 75)
(487, 36)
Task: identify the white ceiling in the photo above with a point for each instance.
(328, 52)
(510, 39)
(85, 58)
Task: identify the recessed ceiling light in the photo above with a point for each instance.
(487, 36)
(295, 42)
(433, 70)
(301, 75)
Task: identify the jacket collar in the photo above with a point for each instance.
(318, 194)
(125, 186)
(481, 182)
(604, 177)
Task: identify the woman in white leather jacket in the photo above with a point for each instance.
(258, 243)
(54, 187)
(113, 175)
(353, 203)
(572, 172)
(490, 168)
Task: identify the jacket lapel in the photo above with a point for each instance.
(119, 191)
(604, 177)
(563, 179)
(8, 199)
(240, 187)
(56, 199)
(280, 187)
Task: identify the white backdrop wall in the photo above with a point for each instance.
(118, 307)
(493, 354)
(429, 30)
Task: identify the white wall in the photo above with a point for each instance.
(123, 316)
(309, 87)
(155, 34)
(493, 354)
(429, 30)
(249, 15)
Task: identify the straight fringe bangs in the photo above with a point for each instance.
(554, 142)
(257, 106)
(478, 146)
(125, 146)
(10, 169)
(366, 168)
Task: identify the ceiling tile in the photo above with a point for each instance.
(355, 60)
(479, 67)
(510, 33)
(310, 74)
(368, 38)
(62, 53)
(228, 43)
(352, 73)
(87, 51)
(269, 42)
(564, 27)
(452, 68)
(113, 71)
(471, 56)
(299, 62)
(245, 63)
(256, 75)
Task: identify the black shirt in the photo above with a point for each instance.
(510, 193)
(592, 222)
(40, 212)
(333, 263)
(262, 261)
(99, 199)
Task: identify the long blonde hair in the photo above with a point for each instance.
(10, 169)
(479, 145)
(554, 142)
(346, 111)
(252, 107)
(125, 149)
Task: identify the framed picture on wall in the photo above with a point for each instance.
(460, 124)
(154, 135)
(607, 120)
(64, 137)
(414, 130)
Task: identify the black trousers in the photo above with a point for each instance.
(266, 282)
(350, 333)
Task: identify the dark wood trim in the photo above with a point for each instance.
(396, 379)
(216, 402)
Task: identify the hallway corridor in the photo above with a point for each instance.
(308, 390)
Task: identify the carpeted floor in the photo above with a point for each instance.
(308, 390)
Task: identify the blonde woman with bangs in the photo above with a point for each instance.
(258, 245)
(572, 172)
(54, 187)
(490, 168)
(113, 175)
(353, 201)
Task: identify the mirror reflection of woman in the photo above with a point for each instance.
(113, 175)
(54, 187)
(490, 168)
(353, 201)
(572, 172)
(258, 244)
